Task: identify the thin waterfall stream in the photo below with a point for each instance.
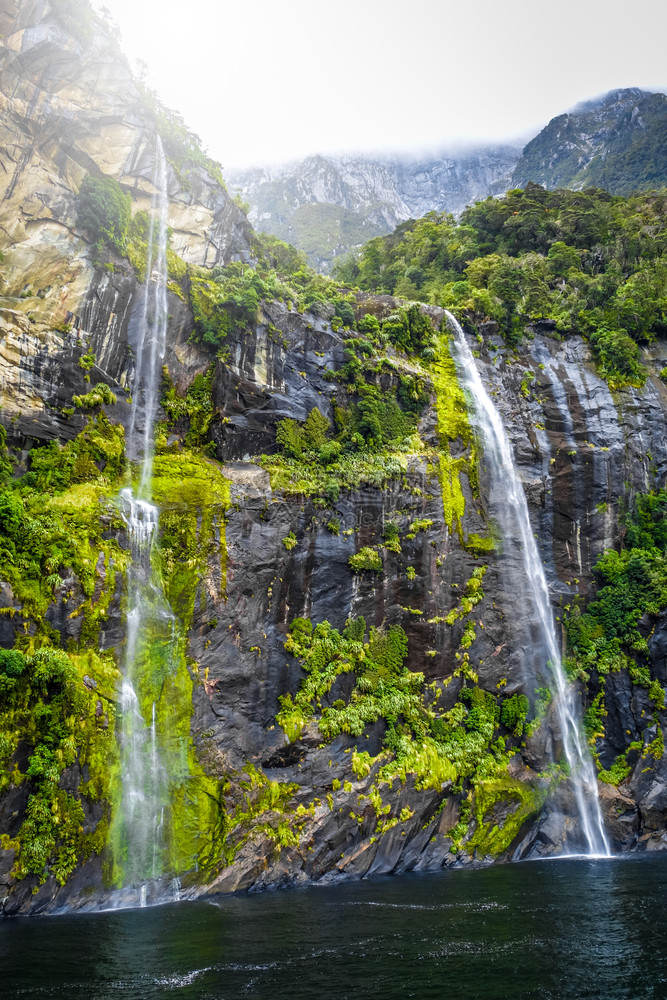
(144, 799)
(517, 532)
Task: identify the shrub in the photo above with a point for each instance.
(513, 713)
(104, 211)
(99, 395)
(366, 559)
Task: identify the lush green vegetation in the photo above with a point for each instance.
(226, 299)
(611, 633)
(375, 415)
(464, 746)
(103, 212)
(48, 710)
(590, 263)
(57, 707)
(190, 413)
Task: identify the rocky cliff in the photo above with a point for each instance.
(357, 688)
(327, 206)
(616, 142)
(70, 108)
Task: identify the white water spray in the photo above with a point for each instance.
(517, 531)
(149, 620)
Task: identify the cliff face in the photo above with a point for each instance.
(616, 143)
(272, 787)
(69, 108)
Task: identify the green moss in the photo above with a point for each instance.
(433, 747)
(193, 496)
(47, 707)
(515, 801)
(453, 425)
(477, 545)
(266, 809)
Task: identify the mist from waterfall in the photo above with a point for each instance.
(517, 534)
(150, 632)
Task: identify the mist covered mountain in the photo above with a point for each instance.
(326, 206)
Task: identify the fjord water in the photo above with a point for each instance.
(585, 929)
(511, 510)
(139, 824)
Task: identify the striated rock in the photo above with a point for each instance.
(69, 109)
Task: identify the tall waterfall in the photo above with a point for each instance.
(150, 623)
(517, 532)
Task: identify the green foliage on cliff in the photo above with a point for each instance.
(137, 252)
(227, 298)
(56, 707)
(366, 560)
(193, 495)
(47, 710)
(590, 263)
(375, 422)
(190, 412)
(103, 211)
(99, 395)
(612, 632)
(632, 584)
(50, 519)
(420, 739)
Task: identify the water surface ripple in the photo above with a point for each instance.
(547, 930)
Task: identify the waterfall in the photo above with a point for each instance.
(150, 623)
(518, 534)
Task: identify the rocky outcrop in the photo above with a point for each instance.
(616, 142)
(70, 107)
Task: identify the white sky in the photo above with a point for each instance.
(270, 80)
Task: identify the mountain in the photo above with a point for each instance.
(343, 675)
(618, 142)
(326, 206)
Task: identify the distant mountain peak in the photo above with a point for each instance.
(616, 141)
(328, 205)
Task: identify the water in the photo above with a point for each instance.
(517, 533)
(544, 930)
(139, 826)
(151, 333)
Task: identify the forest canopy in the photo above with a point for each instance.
(589, 263)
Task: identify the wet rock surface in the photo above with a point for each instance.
(580, 450)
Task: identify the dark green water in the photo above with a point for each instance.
(570, 929)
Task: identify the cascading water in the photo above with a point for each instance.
(517, 531)
(150, 623)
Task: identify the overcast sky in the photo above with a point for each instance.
(270, 80)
